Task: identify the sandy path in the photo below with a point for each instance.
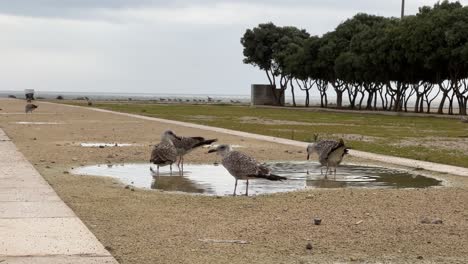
(157, 227)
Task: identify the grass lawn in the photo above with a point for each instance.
(433, 139)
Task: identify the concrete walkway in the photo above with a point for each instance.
(431, 166)
(36, 226)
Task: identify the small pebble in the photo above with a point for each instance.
(425, 220)
(309, 246)
(127, 187)
(420, 257)
(317, 221)
(65, 172)
(132, 189)
(437, 221)
(101, 146)
(47, 167)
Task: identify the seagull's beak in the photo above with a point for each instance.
(212, 150)
(176, 137)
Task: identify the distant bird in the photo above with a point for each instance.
(330, 152)
(185, 145)
(30, 107)
(165, 152)
(242, 166)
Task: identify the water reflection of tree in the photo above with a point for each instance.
(175, 183)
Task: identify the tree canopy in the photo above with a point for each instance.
(385, 62)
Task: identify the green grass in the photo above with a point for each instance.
(387, 131)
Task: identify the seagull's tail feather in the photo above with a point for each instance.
(270, 177)
(205, 142)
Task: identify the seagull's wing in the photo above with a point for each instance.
(240, 164)
(325, 147)
(163, 153)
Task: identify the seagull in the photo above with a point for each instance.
(331, 152)
(29, 108)
(185, 145)
(242, 166)
(165, 152)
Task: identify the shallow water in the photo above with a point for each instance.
(102, 144)
(215, 180)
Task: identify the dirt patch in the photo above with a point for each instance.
(355, 137)
(143, 227)
(449, 144)
(262, 121)
(202, 117)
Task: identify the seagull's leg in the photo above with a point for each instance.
(182, 157)
(247, 188)
(235, 187)
(326, 172)
(157, 170)
(178, 163)
(170, 168)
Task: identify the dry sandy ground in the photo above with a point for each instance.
(359, 225)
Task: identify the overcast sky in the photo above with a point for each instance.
(152, 46)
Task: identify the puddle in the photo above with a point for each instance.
(38, 123)
(102, 145)
(215, 180)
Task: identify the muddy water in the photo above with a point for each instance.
(214, 179)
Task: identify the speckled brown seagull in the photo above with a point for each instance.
(242, 166)
(330, 152)
(165, 152)
(185, 145)
(30, 107)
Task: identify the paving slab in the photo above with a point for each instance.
(35, 209)
(36, 226)
(57, 260)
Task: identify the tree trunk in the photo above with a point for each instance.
(292, 93)
(339, 99)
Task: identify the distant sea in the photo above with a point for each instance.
(216, 98)
(222, 98)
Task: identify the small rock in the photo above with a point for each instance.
(353, 259)
(437, 221)
(42, 160)
(74, 159)
(65, 172)
(47, 167)
(52, 162)
(359, 222)
(425, 220)
(127, 187)
(34, 139)
(101, 146)
(132, 189)
(216, 164)
(420, 257)
(309, 246)
(317, 221)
